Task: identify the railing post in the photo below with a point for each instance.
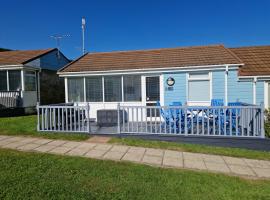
(118, 119)
(262, 121)
(38, 123)
(186, 130)
(88, 117)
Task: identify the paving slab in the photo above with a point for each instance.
(71, 144)
(42, 141)
(192, 156)
(119, 148)
(104, 147)
(241, 170)
(153, 160)
(14, 145)
(217, 167)
(85, 145)
(94, 153)
(234, 161)
(2, 137)
(262, 172)
(28, 147)
(194, 164)
(57, 142)
(45, 148)
(173, 154)
(136, 150)
(99, 139)
(114, 155)
(172, 161)
(78, 151)
(10, 140)
(134, 157)
(213, 158)
(60, 150)
(154, 152)
(258, 163)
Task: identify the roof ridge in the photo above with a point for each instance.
(243, 47)
(143, 50)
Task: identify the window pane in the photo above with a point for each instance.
(132, 88)
(152, 88)
(14, 77)
(3, 80)
(94, 89)
(112, 87)
(30, 81)
(198, 75)
(199, 90)
(75, 90)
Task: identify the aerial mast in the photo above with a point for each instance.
(83, 30)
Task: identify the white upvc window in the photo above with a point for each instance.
(199, 87)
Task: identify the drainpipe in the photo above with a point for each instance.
(226, 85)
(254, 90)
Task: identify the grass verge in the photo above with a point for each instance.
(26, 125)
(43, 176)
(226, 151)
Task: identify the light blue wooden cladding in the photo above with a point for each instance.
(179, 88)
(237, 90)
(218, 84)
(259, 92)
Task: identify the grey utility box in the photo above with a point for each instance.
(109, 117)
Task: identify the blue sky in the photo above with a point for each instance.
(127, 25)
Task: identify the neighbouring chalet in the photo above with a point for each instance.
(191, 75)
(29, 76)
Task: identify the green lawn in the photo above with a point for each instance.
(235, 152)
(27, 125)
(43, 176)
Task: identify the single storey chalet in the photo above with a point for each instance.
(190, 75)
(22, 84)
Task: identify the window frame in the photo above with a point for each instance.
(209, 78)
(103, 88)
(32, 75)
(68, 89)
(123, 88)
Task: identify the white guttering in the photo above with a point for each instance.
(150, 70)
(261, 77)
(226, 85)
(15, 67)
(254, 90)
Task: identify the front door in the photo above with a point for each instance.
(152, 92)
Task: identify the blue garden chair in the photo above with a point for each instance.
(235, 113)
(171, 116)
(218, 114)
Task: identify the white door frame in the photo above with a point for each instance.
(161, 88)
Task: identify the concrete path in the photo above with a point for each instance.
(156, 157)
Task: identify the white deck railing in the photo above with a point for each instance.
(63, 118)
(226, 121)
(10, 99)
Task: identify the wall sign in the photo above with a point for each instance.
(170, 81)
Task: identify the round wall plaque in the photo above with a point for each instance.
(170, 81)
